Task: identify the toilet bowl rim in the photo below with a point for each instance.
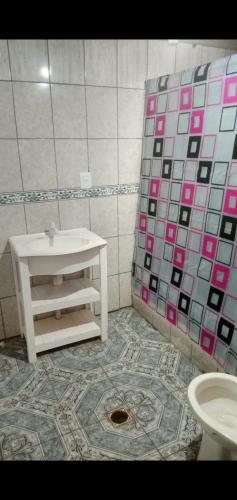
(205, 419)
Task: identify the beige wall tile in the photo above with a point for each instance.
(100, 54)
(127, 206)
(72, 159)
(101, 112)
(10, 173)
(113, 293)
(187, 56)
(180, 340)
(33, 110)
(7, 118)
(104, 216)
(103, 163)
(125, 293)
(66, 61)
(69, 111)
(202, 360)
(74, 214)
(7, 286)
(130, 153)
(112, 259)
(161, 58)
(29, 60)
(10, 317)
(39, 216)
(2, 336)
(12, 222)
(4, 66)
(132, 63)
(130, 113)
(126, 249)
(38, 163)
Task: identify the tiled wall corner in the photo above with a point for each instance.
(178, 338)
(72, 106)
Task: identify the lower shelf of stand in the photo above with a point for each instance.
(72, 327)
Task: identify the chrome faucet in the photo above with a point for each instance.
(52, 231)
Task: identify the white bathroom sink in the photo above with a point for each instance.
(60, 244)
(64, 242)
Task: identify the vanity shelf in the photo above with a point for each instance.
(71, 293)
(72, 251)
(72, 327)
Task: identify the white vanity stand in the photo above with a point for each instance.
(71, 251)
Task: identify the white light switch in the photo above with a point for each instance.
(85, 180)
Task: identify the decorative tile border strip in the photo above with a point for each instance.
(66, 194)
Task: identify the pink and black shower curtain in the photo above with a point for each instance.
(185, 258)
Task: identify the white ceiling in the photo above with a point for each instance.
(222, 43)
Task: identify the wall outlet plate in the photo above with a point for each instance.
(85, 180)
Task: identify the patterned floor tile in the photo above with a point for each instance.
(61, 407)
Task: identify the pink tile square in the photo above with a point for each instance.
(187, 193)
(144, 294)
(160, 125)
(171, 314)
(186, 98)
(197, 118)
(179, 257)
(151, 105)
(142, 222)
(150, 240)
(209, 246)
(220, 276)
(154, 187)
(207, 341)
(230, 204)
(230, 90)
(170, 234)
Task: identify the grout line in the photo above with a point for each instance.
(69, 138)
(17, 138)
(3, 322)
(36, 82)
(118, 165)
(54, 145)
(87, 128)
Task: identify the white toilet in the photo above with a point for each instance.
(213, 399)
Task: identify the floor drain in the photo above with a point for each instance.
(119, 417)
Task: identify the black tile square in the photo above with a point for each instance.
(201, 177)
(203, 76)
(225, 331)
(158, 148)
(215, 298)
(228, 234)
(152, 206)
(234, 155)
(153, 284)
(162, 85)
(147, 261)
(166, 169)
(194, 140)
(184, 302)
(176, 277)
(184, 215)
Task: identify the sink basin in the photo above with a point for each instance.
(61, 244)
(69, 241)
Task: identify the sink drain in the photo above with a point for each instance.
(119, 417)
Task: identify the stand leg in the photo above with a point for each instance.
(104, 293)
(28, 316)
(15, 274)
